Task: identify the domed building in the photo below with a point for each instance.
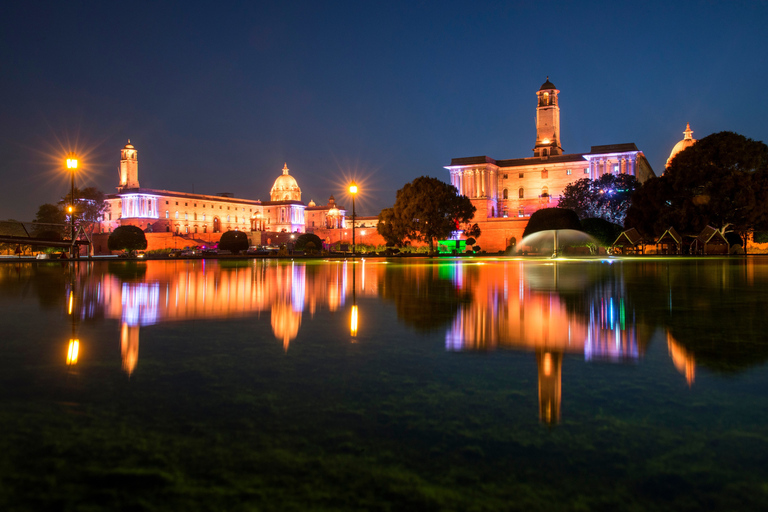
(285, 187)
(687, 142)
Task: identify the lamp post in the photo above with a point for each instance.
(353, 191)
(72, 166)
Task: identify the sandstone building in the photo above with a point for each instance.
(506, 192)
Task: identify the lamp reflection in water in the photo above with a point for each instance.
(550, 385)
(353, 317)
(73, 351)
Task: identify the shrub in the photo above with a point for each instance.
(127, 238)
(233, 241)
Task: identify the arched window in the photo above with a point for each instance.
(505, 194)
(227, 218)
(544, 192)
(167, 214)
(186, 216)
(521, 193)
(205, 228)
(544, 174)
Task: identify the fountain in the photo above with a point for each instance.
(553, 240)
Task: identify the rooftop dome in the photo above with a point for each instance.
(129, 145)
(687, 142)
(547, 85)
(311, 203)
(285, 188)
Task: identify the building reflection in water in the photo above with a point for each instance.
(536, 308)
(682, 359)
(178, 291)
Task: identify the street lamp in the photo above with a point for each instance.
(353, 191)
(72, 166)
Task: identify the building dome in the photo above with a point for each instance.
(547, 85)
(334, 212)
(285, 187)
(687, 142)
(311, 203)
(129, 145)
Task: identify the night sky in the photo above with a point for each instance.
(216, 96)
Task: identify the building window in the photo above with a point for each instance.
(166, 202)
(544, 152)
(195, 229)
(185, 204)
(521, 193)
(167, 214)
(586, 171)
(195, 214)
(520, 213)
(505, 176)
(521, 175)
(227, 218)
(177, 203)
(568, 172)
(177, 214)
(616, 169)
(186, 229)
(110, 216)
(505, 194)
(186, 216)
(544, 174)
(195, 207)
(203, 216)
(205, 229)
(219, 207)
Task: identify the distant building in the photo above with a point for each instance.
(187, 214)
(505, 190)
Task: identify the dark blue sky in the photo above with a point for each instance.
(217, 95)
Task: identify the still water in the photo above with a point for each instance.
(481, 384)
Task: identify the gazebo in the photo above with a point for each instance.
(629, 242)
(670, 242)
(710, 241)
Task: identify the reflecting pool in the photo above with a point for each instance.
(446, 384)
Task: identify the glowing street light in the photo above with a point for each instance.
(353, 322)
(72, 166)
(353, 191)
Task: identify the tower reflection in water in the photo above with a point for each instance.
(536, 307)
(533, 307)
(202, 290)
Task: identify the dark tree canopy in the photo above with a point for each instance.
(89, 207)
(607, 197)
(127, 238)
(720, 181)
(603, 231)
(425, 210)
(307, 238)
(552, 218)
(48, 214)
(233, 241)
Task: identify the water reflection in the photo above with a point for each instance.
(596, 310)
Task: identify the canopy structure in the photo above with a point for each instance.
(670, 242)
(710, 241)
(629, 242)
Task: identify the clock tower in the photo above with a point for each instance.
(129, 168)
(547, 121)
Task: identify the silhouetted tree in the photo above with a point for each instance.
(425, 210)
(720, 181)
(233, 241)
(552, 218)
(607, 197)
(127, 238)
(307, 238)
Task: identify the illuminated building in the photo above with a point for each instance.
(202, 217)
(687, 142)
(507, 192)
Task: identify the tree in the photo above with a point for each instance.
(607, 197)
(550, 219)
(127, 238)
(302, 243)
(604, 232)
(425, 210)
(472, 231)
(720, 181)
(50, 217)
(89, 207)
(233, 241)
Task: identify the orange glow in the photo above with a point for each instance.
(71, 301)
(682, 359)
(353, 188)
(353, 322)
(547, 364)
(72, 163)
(129, 347)
(545, 141)
(73, 351)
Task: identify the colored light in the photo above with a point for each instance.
(353, 322)
(71, 163)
